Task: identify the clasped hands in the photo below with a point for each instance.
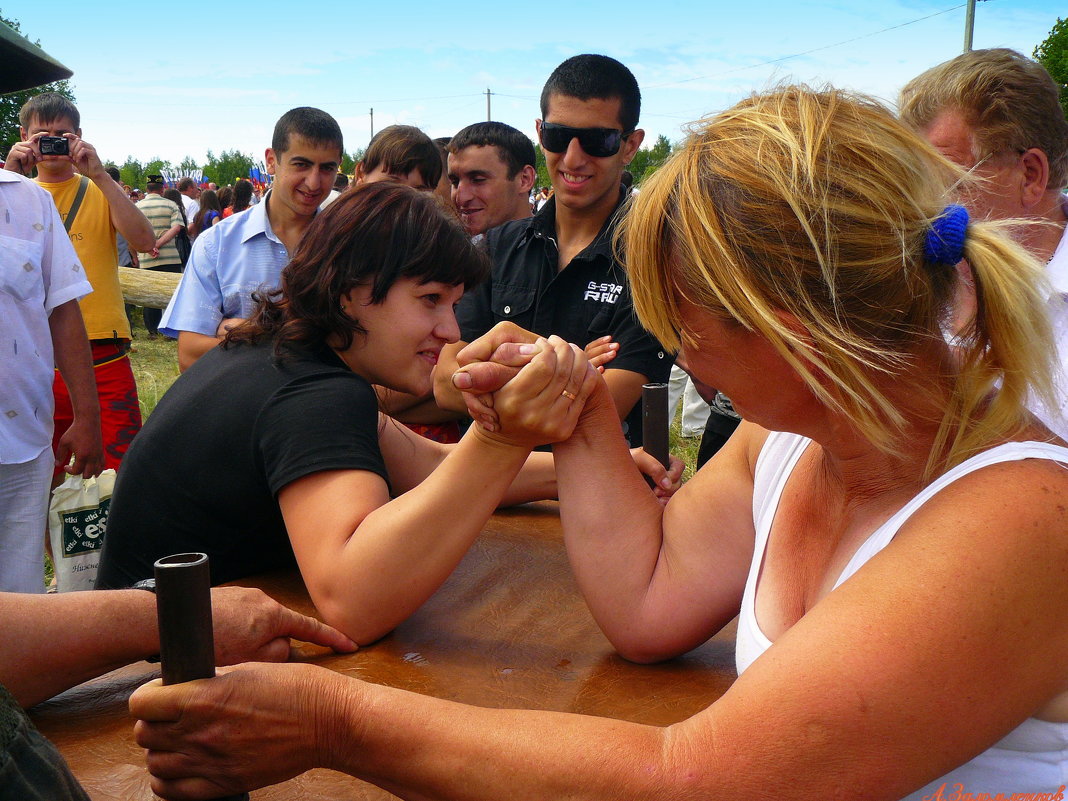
(524, 389)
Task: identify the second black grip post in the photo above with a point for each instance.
(183, 608)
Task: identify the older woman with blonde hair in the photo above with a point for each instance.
(888, 525)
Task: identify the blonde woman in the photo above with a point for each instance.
(889, 523)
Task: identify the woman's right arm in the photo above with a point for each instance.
(659, 579)
(368, 561)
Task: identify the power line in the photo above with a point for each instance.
(486, 94)
(289, 105)
(805, 52)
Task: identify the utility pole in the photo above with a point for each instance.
(372, 123)
(969, 24)
(489, 117)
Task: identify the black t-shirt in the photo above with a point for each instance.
(205, 471)
(588, 299)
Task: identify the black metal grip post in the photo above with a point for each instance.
(655, 422)
(183, 608)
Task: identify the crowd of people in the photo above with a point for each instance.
(871, 304)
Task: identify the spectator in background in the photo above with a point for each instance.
(558, 272)
(92, 223)
(210, 213)
(190, 193)
(997, 114)
(41, 328)
(405, 154)
(167, 221)
(242, 197)
(226, 199)
(491, 172)
(401, 153)
(247, 252)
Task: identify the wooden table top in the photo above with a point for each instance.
(508, 629)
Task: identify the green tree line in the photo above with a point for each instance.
(1053, 55)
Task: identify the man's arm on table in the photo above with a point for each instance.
(57, 641)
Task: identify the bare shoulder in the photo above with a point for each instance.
(737, 458)
(1027, 497)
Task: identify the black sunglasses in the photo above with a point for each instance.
(596, 142)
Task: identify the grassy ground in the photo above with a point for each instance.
(155, 365)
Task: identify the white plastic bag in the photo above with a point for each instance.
(77, 520)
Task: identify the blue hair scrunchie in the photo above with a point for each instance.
(945, 239)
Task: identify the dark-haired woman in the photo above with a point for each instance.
(210, 212)
(271, 446)
(242, 198)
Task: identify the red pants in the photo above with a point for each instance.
(120, 411)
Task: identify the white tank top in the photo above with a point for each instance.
(1033, 758)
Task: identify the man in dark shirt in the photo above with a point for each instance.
(556, 273)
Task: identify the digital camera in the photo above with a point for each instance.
(54, 146)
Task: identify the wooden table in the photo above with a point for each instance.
(508, 629)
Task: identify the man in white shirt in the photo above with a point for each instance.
(41, 327)
(190, 193)
(997, 113)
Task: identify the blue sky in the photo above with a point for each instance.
(172, 80)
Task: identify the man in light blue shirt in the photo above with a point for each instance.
(246, 252)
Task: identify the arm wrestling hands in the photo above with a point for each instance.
(490, 362)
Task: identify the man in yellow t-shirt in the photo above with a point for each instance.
(93, 208)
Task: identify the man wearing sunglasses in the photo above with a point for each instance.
(556, 273)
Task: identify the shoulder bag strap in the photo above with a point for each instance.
(72, 213)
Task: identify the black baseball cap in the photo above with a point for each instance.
(23, 65)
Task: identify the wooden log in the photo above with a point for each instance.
(147, 287)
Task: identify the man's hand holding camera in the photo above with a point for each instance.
(25, 155)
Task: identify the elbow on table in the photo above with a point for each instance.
(359, 626)
(647, 647)
(643, 653)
